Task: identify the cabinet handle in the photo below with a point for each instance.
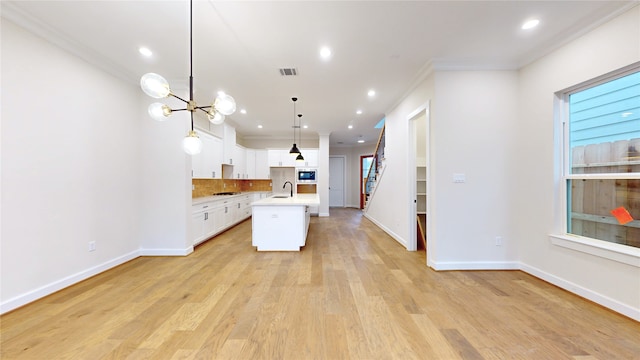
(213, 174)
(238, 205)
(206, 206)
(206, 216)
(225, 209)
(230, 161)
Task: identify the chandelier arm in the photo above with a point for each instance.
(177, 97)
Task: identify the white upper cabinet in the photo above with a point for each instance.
(281, 157)
(310, 158)
(208, 163)
(229, 144)
(250, 163)
(262, 165)
(239, 166)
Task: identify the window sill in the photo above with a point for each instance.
(616, 252)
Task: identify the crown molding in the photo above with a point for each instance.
(12, 12)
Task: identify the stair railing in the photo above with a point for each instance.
(378, 155)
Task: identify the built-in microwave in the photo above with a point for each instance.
(306, 176)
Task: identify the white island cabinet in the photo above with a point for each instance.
(281, 223)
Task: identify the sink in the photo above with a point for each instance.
(281, 196)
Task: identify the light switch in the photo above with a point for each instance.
(459, 178)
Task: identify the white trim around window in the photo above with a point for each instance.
(617, 252)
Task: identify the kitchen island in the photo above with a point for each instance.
(281, 222)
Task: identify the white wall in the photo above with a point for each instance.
(497, 127)
(472, 126)
(389, 208)
(472, 116)
(82, 161)
(165, 172)
(70, 168)
(609, 47)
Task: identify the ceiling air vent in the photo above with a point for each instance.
(288, 72)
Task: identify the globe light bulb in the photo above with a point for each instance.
(159, 111)
(155, 85)
(225, 104)
(192, 144)
(215, 117)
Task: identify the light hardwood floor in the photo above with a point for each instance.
(351, 293)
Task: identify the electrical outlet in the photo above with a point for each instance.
(498, 240)
(92, 246)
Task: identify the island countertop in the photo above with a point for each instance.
(296, 200)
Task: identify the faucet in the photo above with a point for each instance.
(285, 185)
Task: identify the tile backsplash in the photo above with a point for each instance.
(208, 187)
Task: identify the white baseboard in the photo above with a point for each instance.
(395, 236)
(166, 252)
(600, 299)
(474, 265)
(58, 285)
(323, 214)
(624, 309)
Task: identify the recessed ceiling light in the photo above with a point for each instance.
(350, 126)
(305, 126)
(371, 93)
(325, 53)
(360, 141)
(530, 24)
(145, 51)
(359, 112)
(259, 126)
(243, 111)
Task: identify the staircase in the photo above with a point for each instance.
(376, 170)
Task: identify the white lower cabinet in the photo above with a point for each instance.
(197, 227)
(218, 219)
(213, 217)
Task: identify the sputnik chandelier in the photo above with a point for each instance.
(157, 87)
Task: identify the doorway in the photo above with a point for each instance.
(419, 184)
(336, 181)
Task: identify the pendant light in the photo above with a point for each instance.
(300, 158)
(294, 149)
(157, 87)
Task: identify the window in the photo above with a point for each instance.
(602, 158)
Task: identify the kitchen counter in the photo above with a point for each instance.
(296, 200)
(281, 223)
(205, 199)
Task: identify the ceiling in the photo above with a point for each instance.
(239, 47)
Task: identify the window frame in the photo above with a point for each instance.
(561, 237)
